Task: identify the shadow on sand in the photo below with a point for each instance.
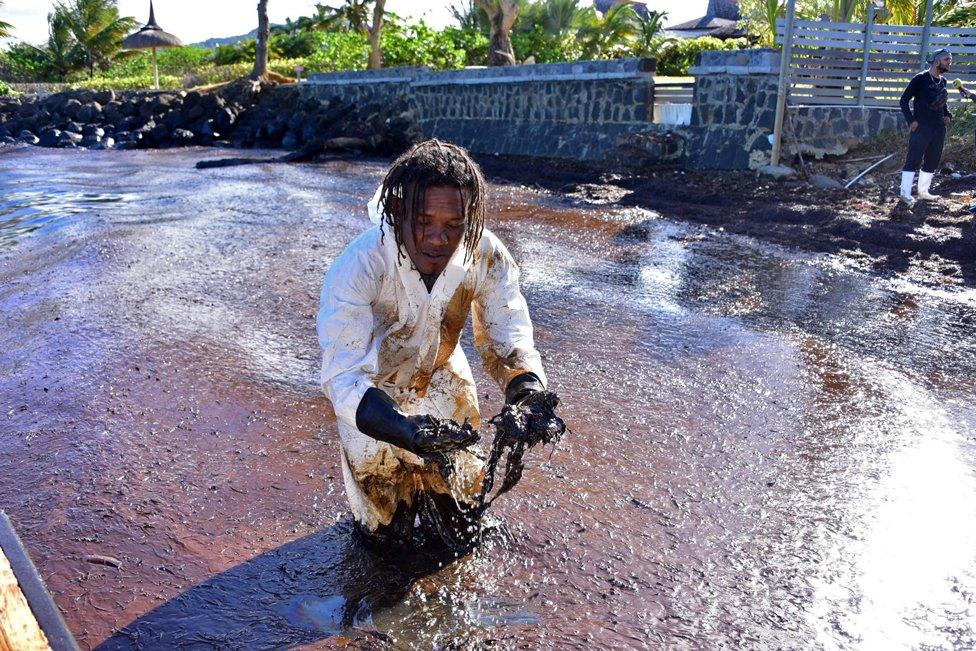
(307, 590)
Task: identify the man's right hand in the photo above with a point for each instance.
(913, 125)
(379, 416)
(433, 436)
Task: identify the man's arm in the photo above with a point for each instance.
(345, 330)
(502, 327)
(906, 98)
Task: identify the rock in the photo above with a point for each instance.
(50, 138)
(777, 171)
(90, 112)
(290, 141)
(182, 136)
(825, 182)
(91, 130)
(104, 143)
(70, 108)
(73, 127)
(69, 138)
(28, 137)
(105, 96)
(90, 141)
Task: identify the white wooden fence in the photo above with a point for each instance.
(869, 64)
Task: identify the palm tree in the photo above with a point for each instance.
(470, 17)
(97, 29)
(354, 15)
(599, 37)
(260, 70)
(912, 12)
(374, 28)
(5, 28)
(554, 17)
(61, 53)
(650, 28)
(501, 14)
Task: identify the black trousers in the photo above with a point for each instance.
(925, 148)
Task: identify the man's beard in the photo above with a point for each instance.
(943, 67)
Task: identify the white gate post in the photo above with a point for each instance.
(926, 34)
(866, 54)
(786, 58)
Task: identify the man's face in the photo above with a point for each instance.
(943, 63)
(432, 236)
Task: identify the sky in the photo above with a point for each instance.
(197, 20)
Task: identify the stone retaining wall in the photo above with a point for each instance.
(580, 110)
(833, 130)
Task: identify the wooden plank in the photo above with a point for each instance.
(19, 630)
(42, 608)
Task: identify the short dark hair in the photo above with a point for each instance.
(429, 164)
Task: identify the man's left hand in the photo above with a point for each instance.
(521, 387)
(947, 119)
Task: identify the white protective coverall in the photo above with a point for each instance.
(379, 326)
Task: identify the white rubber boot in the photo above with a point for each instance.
(907, 179)
(924, 183)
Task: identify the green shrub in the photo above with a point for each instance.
(419, 45)
(339, 51)
(544, 46)
(5, 88)
(225, 55)
(678, 55)
(176, 61)
(23, 62)
(298, 44)
(471, 42)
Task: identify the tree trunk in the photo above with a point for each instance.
(502, 15)
(375, 53)
(261, 50)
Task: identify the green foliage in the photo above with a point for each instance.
(5, 28)
(292, 45)
(340, 51)
(97, 29)
(226, 55)
(5, 89)
(473, 43)
(419, 45)
(677, 56)
(22, 62)
(175, 61)
(543, 46)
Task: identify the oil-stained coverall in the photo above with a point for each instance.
(378, 326)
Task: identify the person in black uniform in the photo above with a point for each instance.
(924, 105)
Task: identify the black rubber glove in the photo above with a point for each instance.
(379, 416)
(521, 387)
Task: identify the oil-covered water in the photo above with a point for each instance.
(768, 450)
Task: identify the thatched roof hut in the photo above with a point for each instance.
(151, 37)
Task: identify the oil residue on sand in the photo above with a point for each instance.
(769, 450)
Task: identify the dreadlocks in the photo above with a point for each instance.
(430, 164)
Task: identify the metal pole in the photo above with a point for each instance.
(785, 59)
(866, 54)
(926, 34)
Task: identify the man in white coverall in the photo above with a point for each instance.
(393, 306)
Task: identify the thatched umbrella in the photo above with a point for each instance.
(150, 37)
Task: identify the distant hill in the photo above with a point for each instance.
(211, 43)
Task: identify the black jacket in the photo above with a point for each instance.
(930, 97)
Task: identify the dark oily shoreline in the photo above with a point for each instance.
(934, 243)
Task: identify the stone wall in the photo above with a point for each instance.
(734, 109)
(581, 110)
(603, 111)
(833, 130)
